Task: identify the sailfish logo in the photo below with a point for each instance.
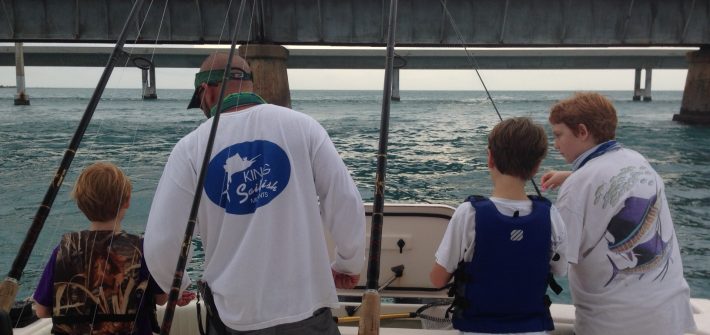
(234, 165)
(248, 175)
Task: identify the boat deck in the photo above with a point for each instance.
(185, 322)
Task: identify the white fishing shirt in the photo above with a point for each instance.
(274, 185)
(626, 274)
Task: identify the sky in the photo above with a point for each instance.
(309, 79)
(306, 79)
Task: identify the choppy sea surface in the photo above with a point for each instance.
(436, 154)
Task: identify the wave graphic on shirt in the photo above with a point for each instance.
(247, 175)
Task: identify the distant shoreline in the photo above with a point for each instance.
(3, 86)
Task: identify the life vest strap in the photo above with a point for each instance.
(552, 283)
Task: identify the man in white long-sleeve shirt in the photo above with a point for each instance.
(274, 184)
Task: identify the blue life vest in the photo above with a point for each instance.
(503, 288)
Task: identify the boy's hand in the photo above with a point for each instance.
(185, 298)
(553, 179)
(343, 280)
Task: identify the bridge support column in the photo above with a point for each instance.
(21, 98)
(395, 84)
(695, 106)
(639, 92)
(268, 64)
(149, 83)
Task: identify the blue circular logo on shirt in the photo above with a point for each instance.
(246, 176)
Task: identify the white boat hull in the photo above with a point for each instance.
(421, 228)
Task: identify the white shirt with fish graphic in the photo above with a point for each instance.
(275, 184)
(626, 274)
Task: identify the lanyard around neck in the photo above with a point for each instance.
(239, 99)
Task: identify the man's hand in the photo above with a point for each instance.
(345, 281)
(185, 298)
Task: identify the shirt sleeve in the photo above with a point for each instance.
(572, 219)
(44, 293)
(559, 244)
(168, 217)
(458, 241)
(342, 210)
(153, 287)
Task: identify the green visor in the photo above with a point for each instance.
(212, 78)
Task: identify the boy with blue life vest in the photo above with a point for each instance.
(626, 273)
(503, 249)
(96, 281)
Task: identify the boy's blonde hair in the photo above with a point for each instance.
(101, 190)
(518, 146)
(593, 110)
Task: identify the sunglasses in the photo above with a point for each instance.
(214, 77)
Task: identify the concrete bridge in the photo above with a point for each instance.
(373, 58)
(421, 23)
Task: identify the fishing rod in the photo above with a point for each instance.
(370, 321)
(192, 220)
(474, 64)
(10, 286)
(419, 313)
(397, 271)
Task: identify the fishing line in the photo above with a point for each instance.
(7, 18)
(129, 164)
(370, 322)
(192, 220)
(11, 283)
(89, 150)
(130, 160)
(474, 64)
(219, 41)
(211, 67)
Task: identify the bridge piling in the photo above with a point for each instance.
(395, 85)
(695, 106)
(148, 81)
(268, 65)
(21, 98)
(645, 92)
(647, 87)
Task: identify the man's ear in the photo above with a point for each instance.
(491, 162)
(205, 97)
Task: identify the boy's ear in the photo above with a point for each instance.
(126, 203)
(491, 163)
(582, 131)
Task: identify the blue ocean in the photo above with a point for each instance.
(437, 154)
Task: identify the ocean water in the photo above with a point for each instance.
(436, 154)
